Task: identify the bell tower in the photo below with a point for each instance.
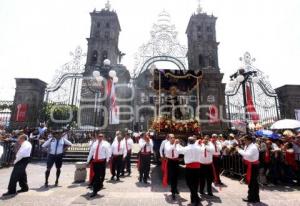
(104, 37)
(203, 55)
(202, 45)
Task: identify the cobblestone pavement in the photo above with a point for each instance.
(129, 192)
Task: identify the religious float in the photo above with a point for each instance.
(178, 100)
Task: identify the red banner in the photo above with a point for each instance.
(21, 112)
(250, 105)
(214, 114)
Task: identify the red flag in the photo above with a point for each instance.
(213, 114)
(250, 105)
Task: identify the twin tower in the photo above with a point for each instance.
(202, 55)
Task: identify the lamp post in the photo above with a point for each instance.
(241, 78)
(98, 80)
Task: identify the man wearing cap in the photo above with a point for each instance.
(99, 154)
(207, 171)
(191, 154)
(19, 171)
(251, 159)
(217, 145)
(146, 149)
(119, 153)
(128, 145)
(56, 145)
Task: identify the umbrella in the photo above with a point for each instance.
(267, 133)
(286, 124)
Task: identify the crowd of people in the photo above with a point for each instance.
(265, 160)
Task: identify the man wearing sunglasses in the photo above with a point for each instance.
(56, 146)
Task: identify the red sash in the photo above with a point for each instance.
(193, 165)
(249, 169)
(165, 172)
(91, 172)
(267, 156)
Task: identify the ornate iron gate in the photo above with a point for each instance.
(5, 113)
(265, 99)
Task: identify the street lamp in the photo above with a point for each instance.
(98, 80)
(241, 78)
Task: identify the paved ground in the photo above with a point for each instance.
(129, 192)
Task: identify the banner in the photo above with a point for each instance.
(213, 114)
(250, 105)
(113, 108)
(21, 112)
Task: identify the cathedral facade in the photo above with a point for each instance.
(200, 55)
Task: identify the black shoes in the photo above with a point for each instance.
(56, 183)
(112, 178)
(22, 190)
(8, 194)
(173, 196)
(140, 179)
(94, 194)
(250, 201)
(46, 184)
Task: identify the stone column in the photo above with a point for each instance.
(28, 100)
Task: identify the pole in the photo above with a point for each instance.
(73, 93)
(245, 105)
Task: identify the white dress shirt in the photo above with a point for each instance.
(24, 151)
(104, 151)
(56, 146)
(250, 153)
(207, 151)
(191, 152)
(170, 151)
(128, 144)
(217, 147)
(162, 147)
(119, 148)
(143, 144)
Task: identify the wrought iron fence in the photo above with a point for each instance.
(5, 112)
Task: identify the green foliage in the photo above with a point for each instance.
(56, 114)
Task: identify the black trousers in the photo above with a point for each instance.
(206, 177)
(99, 175)
(217, 165)
(192, 181)
(54, 159)
(19, 175)
(173, 167)
(253, 187)
(145, 160)
(128, 162)
(117, 165)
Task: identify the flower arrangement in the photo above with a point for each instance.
(162, 124)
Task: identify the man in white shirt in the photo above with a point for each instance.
(217, 145)
(162, 146)
(19, 171)
(57, 144)
(191, 154)
(128, 145)
(99, 154)
(251, 158)
(146, 149)
(119, 152)
(206, 169)
(171, 155)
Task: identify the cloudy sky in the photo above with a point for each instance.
(36, 36)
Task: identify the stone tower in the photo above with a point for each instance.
(102, 45)
(203, 55)
(104, 38)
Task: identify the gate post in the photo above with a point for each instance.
(28, 100)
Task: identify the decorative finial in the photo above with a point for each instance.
(199, 8)
(108, 5)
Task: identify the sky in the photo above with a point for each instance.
(37, 36)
